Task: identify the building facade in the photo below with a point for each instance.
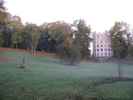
(102, 45)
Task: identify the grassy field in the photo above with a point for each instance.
(47, 78)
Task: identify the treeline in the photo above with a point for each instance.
(69, 41)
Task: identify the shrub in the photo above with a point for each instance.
(69, 55)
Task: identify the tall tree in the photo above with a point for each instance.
(43, 44)
(35, 35)
(82, 38)
(16, 26)
(119, 36)
(3, 14)
(119, 39)
(60, 37)
(60, 34)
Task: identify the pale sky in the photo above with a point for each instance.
(100, 14)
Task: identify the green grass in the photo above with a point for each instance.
(46, 78)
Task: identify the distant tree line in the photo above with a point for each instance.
(68, 41)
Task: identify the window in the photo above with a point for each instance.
(97, 36)
(97, 49)
(97, 54)
(101, 49)
(105, 54)
(101, 45)
(101, 41)
(97, 45)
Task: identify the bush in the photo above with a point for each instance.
(69, 55)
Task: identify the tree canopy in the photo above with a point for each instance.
(119, 38)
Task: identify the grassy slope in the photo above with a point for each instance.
(47, 79)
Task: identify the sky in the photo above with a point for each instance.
(99, 14)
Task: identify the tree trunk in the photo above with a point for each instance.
(16, 46)
(33, 51)
(119, 70)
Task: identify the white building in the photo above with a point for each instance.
(102, 45)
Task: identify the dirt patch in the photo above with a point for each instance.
(11, 49)
(37, 53)
(6, 59)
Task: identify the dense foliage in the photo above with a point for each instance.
(59, 37)
(121, 40)
(56, 37)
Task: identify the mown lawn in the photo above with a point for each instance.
(47, 78)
